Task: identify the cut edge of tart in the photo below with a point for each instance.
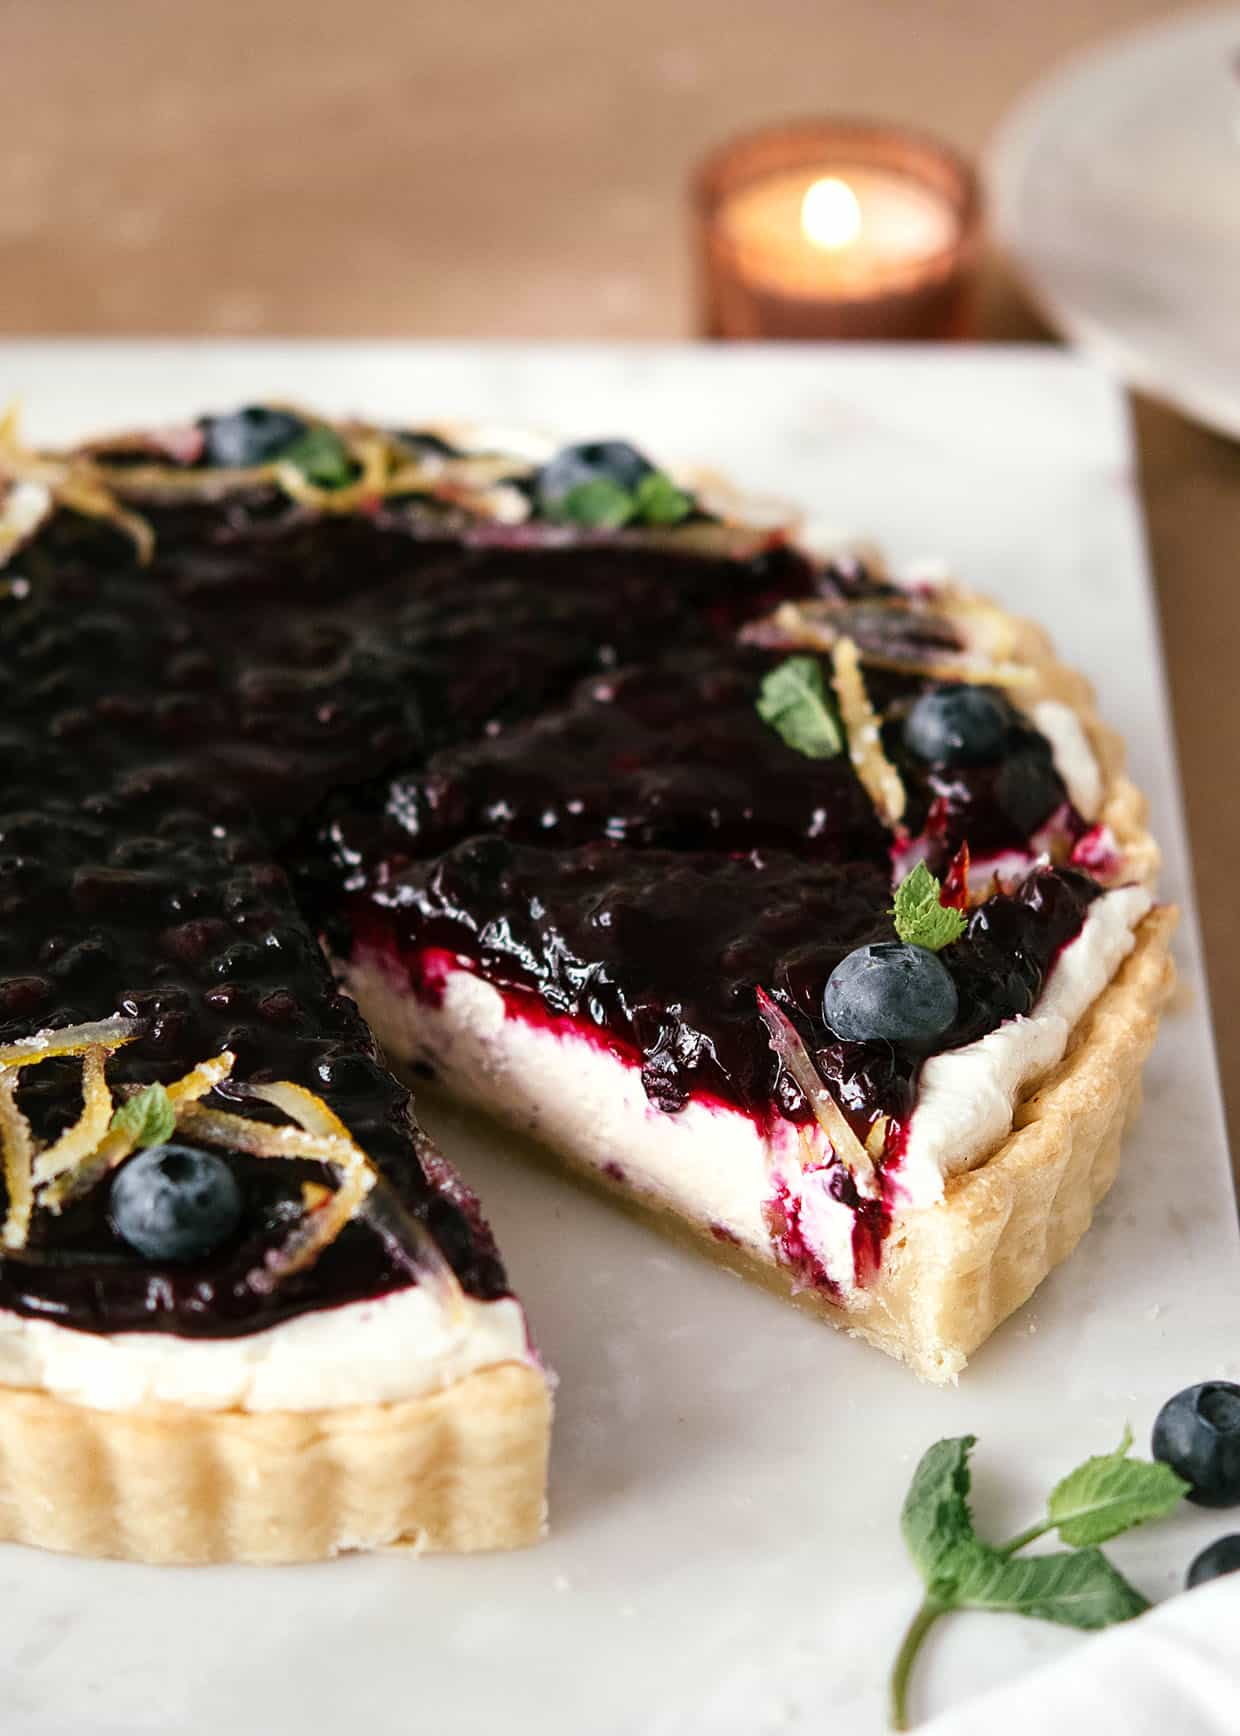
(941, 1274)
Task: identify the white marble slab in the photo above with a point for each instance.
(725, 1559)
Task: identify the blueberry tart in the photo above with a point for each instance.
(808, 911)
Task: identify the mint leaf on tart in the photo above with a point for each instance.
(793, 700)
(322, 457)
(921, 918)
(657, 500)
(605, 504)
(597, 505)
(148, 1117)
(1112, 1493)
(1077, 1587)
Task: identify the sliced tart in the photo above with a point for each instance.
(601, 791)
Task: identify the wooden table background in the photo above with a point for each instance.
(518, 169)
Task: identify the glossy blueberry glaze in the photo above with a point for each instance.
(539, 753)
(662, 952)
(166, 732)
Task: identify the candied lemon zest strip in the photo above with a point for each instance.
(202, 1078)
(101, 1037)
(316, 1117)
(261, 1139)
(84, 1137)
(865, 743)
(110, 1153)
(794, 1057)
(115, 1145)
(18, 1147)
(428, 1258)
(820, 626)
(75, 480)
(109, 1034)
(876, 1138)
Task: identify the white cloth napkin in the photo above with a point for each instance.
(1174, 1672)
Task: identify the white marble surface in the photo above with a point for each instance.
(725, 1559)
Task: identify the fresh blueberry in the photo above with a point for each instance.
(596, 461)
(1221, 1557)
(891, 990)
(959, 725)
(171, 1202)
(1029, 789)
(248, 437)
(1197, 1433)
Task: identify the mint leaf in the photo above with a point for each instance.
(1110, 1493)
(599, 505)
(1077, 1589)
(793, 700)
(921, 918)
(148, 1117)
(322, 457)
(657, 500)
(935, 1520)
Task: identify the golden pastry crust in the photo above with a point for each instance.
(457, 1470)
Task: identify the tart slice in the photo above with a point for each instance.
(689, 932)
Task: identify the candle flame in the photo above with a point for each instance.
(831, 213)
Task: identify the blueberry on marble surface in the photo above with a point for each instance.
(1197, 1433)
(171, 1202)
(1221, 1557)
(244, 438)
(890, 991)
(957, 725)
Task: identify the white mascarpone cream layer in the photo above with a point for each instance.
(395, 1347)
(715, 1165)
(1074, 758)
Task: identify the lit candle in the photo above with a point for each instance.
(841, 231)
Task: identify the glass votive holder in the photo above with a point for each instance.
(836, 229)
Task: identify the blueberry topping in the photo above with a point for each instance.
(613, 461)
(171, 1202)
(248, 437)
(1028, 789)
(890, 991)
(959, 725)
(1197, 1433)
(1220, 1558)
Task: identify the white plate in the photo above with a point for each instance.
(1116, 186)
(727, 1474)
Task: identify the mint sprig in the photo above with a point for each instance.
(793, 700)
(921, 917)
(322, 457)
(1076, 1588)
(604, 504)
(148, 1117)
(1111, 1493)
(657, 500)
(597, 505)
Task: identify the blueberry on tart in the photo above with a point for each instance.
(810, 911)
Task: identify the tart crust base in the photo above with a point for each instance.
(458, 1470)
